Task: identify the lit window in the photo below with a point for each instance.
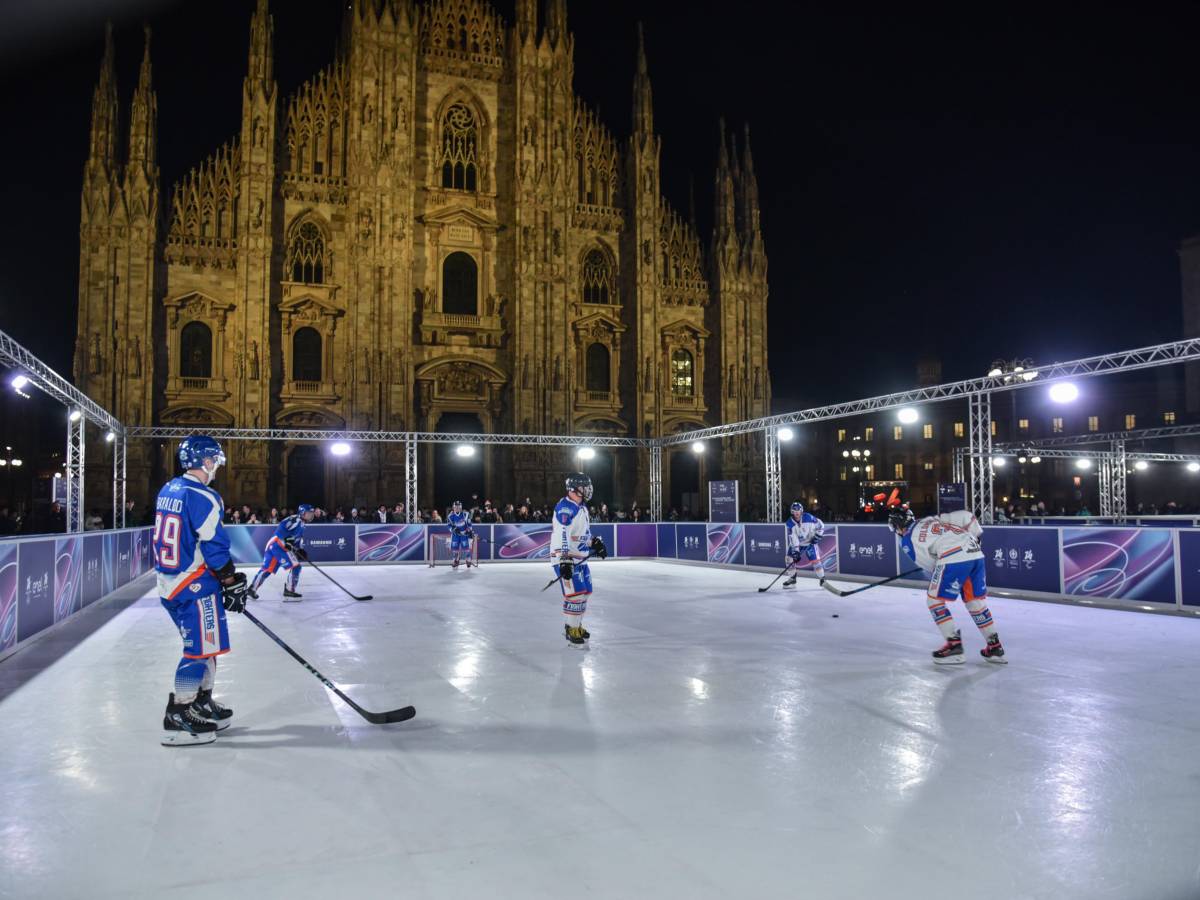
(1056, 425)
(897, 432)
(841, 473)
(870, 470)
(841, 435)
(928, 431)
(928, 467)
(958, 429)
(993, 429)
(899, 470)
(869, 434)
(681, 374)
(1023, 424)
(1168, 418)
(1130, 422)
(1093, 423)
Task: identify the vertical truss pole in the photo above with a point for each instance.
(656, 503)
(1105, 471)
(981, 457)
(1120, 500)
(119, 450)
(774, 486)
(75, 451)
(410, 480)
(956, 474)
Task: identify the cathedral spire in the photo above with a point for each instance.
(724, 201)
(643, 100)
(556, 21)
(143, 115)
(260, 69)
(527, 19)
(749, 188)
(103, 148)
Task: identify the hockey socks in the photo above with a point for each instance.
(189, 678)
(982, 616)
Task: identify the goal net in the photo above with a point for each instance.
(438, 553)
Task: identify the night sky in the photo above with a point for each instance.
(968, 184)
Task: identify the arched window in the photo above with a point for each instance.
(306, 355)
(195, 351)
(306, 255)
(460, 279)
(460, 149)
(598, 371)
(597, 278)
(682, 374)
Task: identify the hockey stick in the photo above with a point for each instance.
(829, 587)
(556, 580)
(385, 718)
(309, 562)
(786, 568)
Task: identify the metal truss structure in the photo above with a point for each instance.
(76, 446)
(390, 437)
(656, 498)
(410, 481)
(42, 376)
(119, 449)
(979, 488)
(772, 465)
(1104, 437)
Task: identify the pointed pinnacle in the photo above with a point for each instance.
(722, 157)
(642, 69)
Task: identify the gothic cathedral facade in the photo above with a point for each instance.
(433, 229)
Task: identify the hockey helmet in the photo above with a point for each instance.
(581, 484)
(797, 507)
(194, 450)
(456, 506)
(900, 518)
(306, 511)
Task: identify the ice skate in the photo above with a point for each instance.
(790, 583)
(212, 710)
(994, 651)
(185, 726)
(951, 653)
(290, 596)
(575, 636)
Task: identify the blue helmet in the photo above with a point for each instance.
(303, 508)
(197, 448)
(580, 484)
(798, 507)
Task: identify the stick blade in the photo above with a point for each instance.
(366, 597)
(399, 715)
(829, 587)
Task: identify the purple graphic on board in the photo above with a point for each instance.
(666, 540)
(35, 588)
(521, 542)
(124, 557)
(727, 544)
(92, 576)
(637, 540)
(1022, 558)
(8, 595)
(1119, 563)
(766, 545)
(1189, 567)
(108, 564)
(330, 543)
(391, 543)
(867, 550)
(68, 570)
(247, 542)
(691, 541)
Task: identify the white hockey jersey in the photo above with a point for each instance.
(572, 530)
(950, 537)
(805, 532)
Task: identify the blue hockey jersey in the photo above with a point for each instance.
(189, 540)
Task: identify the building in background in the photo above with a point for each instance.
(434, 233)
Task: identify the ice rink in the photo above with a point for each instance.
(712, 742)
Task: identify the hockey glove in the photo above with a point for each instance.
(795, 555)
(233, 592)
(566, 569)
(598, 549)
(301, 553)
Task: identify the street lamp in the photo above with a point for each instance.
(1193, 467)
(1063, 392)
(339, 448)
(1083, 464)
(698, 447)
(785, 434)
(75, 416)
(1141, 465)
(585, 453)
(465, 450)
(907, 416)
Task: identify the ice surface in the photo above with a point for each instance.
(712, 742)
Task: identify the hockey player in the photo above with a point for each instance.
(804, 530)
(461, 533)
(571, 545)
(285, 548)
(948, 547)
(197, 584)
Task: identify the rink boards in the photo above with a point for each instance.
(44, 581)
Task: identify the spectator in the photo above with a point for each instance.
(1083, 511)
(381, 515)
(94, 522)
(253, 519)
(340, 516)
(245, 513)
(398, 513)
(237, 517)
(435, 516)
(273, 518)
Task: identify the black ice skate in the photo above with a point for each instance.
(575, 636)
(212, 710)
(251, 593)
(290, 596)
(994, 651)
(454, 565)
(951, 653)
(184, 726)
(790, 583)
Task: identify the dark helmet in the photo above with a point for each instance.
(580, 484)
(456, 506)
(798, 507)
(900, 518)
(194, 450)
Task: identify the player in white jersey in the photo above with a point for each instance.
(947, 547)
(804, 530)
(571, 545)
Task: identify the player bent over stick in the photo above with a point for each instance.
(461, 533)
(572, 545)
(197, 584)
(804, 530)
(948, 547)
(284, 549)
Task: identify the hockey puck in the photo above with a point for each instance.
(834, 616)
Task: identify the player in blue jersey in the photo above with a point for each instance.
(461, 533)
(571, 545)
(197, 584)
(286, 549)
(804, 530)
